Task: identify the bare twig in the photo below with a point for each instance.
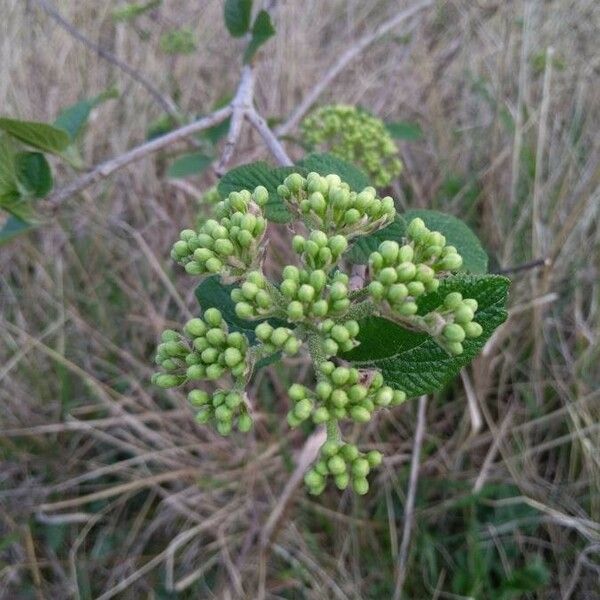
(270, 139)
(473, 404)
(410, 498)
(534, 264)
(114, 164)
(240, 105)
(343, 61)
(164, 101)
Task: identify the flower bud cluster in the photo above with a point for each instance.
(229, 246)
(338, 336)
(253, 299)
(346, 464)
(342, 393)
(276, 339)
(319, 251)
(356, 136)
(329, 205)
(206, 350)
(224, 409)
(312, 294)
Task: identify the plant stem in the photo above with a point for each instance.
(333, 431)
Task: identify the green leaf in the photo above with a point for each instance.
(34, 173)
(405, 130)
(130, 10)
(189, 164)
(237, 16)
(457, 233)
(324, 164)
(14, 227)
(9, 187)
(262, 30)
(412, 361)
(363, 246)
(39, 135)
(74, 118)
(247, 177)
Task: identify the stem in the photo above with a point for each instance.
(333, 431)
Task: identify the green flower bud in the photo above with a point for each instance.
(330, 448)
(406, 254)
(260, 195)
(339, 398)
(283, 191)
(165, 380)
(288, 288)
(397, 293)
(295, 310)
(376, 261)
(216, 336)
(195, 372)
(298, 243)
(327, 367)
(349, 452)
(198, 398)
(181, 248)
(389, 250)
(319, 308)
(463, 314)
(303, 409)
(249, 290)
(340, 375)
(471, 303)
(330, 347)
(376, 290)
(340, 334)
(306, 293)
(187, 234)
(357, 393)
(244, 423)
(342, 481)
(294, 182)
(455, 348)
(263, 331)
(224, 427)
(297, 392)
(317, 279)
(232, 357)
(374, 458)
(317, 202)
(213, 317)
(384, 396)
(472, 329)
(336, 465)
(233, 400)
(280, 336)
(338, 244)
(399, 397)
(351, 217)
(244, 310)
(214, 371)
(408, 309)
(323, 390)
(360, 414)
(312, 479)
(360, 467)
(338, 291)
(193, 268)
(321, 415)
(195, 327)
(388, 276)
(406, 271)
(201, 344)
(453, 300)
(237, 340)
(416, 228)
(209, 355)
(224, 247)
(360, 485)
(452, 262)
(454, 332)
(291, 272)
(292, 346)
(415, 288)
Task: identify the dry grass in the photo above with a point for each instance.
(110, 489)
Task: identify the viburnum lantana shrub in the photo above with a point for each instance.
(404, 329)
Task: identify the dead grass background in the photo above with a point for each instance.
(108, 488)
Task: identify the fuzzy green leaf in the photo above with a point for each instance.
(247, 177)
(412, 361)
(324, 164)
(39, 135)
(262, 30)
(189, 164)
(34, 173)
(74, 118)
(237, 16)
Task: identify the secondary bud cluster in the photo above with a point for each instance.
(329, 205)
(356, 136)
(338, 337)
(252, 299)
(206, 350)
(312, 294)
(320, 251)
(229, 246)
(345, 464)
(342, 393)
(224, 409)
(276, 339)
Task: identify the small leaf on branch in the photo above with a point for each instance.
(262, 30)
(237, 16)
(405, 130)
(34, 173)
(193, 163)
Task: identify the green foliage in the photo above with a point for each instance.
(131, 10)
(354, 135)
(178, 41)
(193, 163)
(407, 331)
(14, 227)
(74, 118)
(262, 30)
(33, 171)
(237, 16)
(39, 135)
(405, 130)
